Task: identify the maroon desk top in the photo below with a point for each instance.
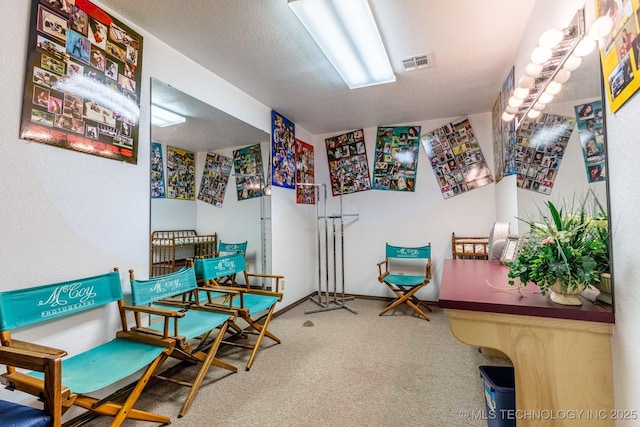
(464, 286)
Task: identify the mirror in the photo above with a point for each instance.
(208, 130)
(584, 87)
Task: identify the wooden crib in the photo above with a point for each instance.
(170, 249)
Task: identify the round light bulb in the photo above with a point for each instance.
(515, 102)
(601, 28)
(539, 106)
(553, 88)
(526, 81)
(520, 93)
(551, 38)
(532, 70)
(533, 114)
(562, 76)
(545, 98)
(540, 55)
(507, 117)
(511, 110)
(585, 47)
(572, 63)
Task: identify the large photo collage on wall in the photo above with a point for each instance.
(82, 85)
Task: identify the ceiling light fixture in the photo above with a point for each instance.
(347, 34)
(163, 118)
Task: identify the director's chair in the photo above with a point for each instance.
(406, 270)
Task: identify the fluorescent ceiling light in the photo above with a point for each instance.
(347, 34)
(163, 118)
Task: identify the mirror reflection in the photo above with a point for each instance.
(184, 132)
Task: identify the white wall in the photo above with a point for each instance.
(405, 218)
(624, 155)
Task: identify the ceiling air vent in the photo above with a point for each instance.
(418, 61)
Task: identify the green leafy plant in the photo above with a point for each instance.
(567, 245)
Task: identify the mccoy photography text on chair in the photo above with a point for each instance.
(228, 249)
(129, 355)
(469, 247)
(26, 416)
(406, 270)
(253, 305)
(168, 294)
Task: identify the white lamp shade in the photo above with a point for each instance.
(511, 110)
(545, 98)
(572, 63)
(533, 114)
(540, 55)
(539, 106)
(601, 28)
(585, 47)
(515, 102)
(526, 81)
(551, 38)
(553, 88)
(520, 93)
(562, 76)
(533, 70)
(507, 117)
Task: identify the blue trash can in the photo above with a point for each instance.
(500, 395)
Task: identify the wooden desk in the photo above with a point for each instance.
(561, 354)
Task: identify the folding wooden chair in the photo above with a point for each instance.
(252, 304)
(128, 355)
(51, 367)
(169, 294)
(399, 261)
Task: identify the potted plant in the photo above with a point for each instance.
(566, 250)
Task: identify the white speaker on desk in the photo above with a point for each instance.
(497, 240)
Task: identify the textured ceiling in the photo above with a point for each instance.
(261, 48)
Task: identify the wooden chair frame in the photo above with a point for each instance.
(51, 366)
(469, 247)
(402, 285)
(105, 362)
(196, 323)
(248, 302)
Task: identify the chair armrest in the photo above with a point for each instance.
(267, 276)
(36, 348)
(50, 389)
(382, 274)
(154, 310)
(152, 339)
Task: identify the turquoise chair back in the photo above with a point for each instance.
(24, 307)
(407, 252)
(215, 268)
(144, 292)
(232, 247)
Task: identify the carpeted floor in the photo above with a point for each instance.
(336, 368)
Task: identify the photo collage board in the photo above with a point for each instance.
(158, 190)
(396, 158)
(82, 85)
(504, 143)
(215, 177)
(249, 172)
(181, 174)
(348, 166)
(540, 147)
(590, 122)
(305, 171)
(283, 151)
(456, 158)
(620, 50)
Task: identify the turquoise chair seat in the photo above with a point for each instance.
(193, 324)
(103, 365)
(405, 280)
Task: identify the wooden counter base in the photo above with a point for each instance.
(563, 368)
